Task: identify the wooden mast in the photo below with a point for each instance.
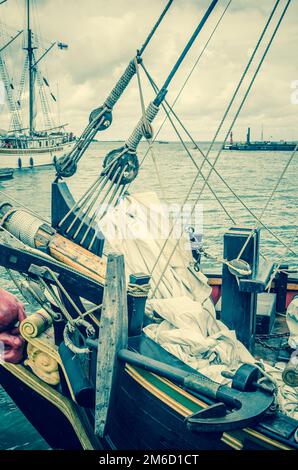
(31, 70)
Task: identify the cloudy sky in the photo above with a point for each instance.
(103, 36)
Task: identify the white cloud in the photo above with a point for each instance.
(103, 36)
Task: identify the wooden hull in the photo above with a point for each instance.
(30, 158)
(148, 413)
(55, 417)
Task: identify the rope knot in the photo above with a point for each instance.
(136, 290)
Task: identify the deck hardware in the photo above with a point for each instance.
(239, 268)
(290, 372)
(136, 303)
(239, 294)
(246, 379)
(242, 408)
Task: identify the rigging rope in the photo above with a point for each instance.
(189, 76)
(148, 130)
(127, 154)
(48, 123)
(7, 195)
(101, 118)
(203, 154)
(282, 257)
(222, 121)
(43, 301)
(170, 110)
(269, 199)
(233, 121)
(167, 109)
(195, 143)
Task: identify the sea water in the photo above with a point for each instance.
(251, 175)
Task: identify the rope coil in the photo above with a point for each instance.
(24, 226)
(136, 136)
(69, 330)
(120, 86)
(135, 290)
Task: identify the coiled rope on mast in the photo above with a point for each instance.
(101, 118)
(121, 165)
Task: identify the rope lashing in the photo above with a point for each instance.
(121, 85)
(133, 141)
(136, 136)
(66, 166)
(135, 290)
(122, 158)
(70, 329)
(239, 268)
(101, 118)
(147, 128)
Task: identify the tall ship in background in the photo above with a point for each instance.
(23, 146)
(262, 145)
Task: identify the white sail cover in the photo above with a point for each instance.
(188, 328)
(292, 321)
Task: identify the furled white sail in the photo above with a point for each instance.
(188, 328)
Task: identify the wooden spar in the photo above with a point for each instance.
(113, 336)
(238, 310)
(46, 239)
(78, 258)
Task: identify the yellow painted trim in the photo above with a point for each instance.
(232, 441)
(182, 392)
(258, 435)
(62, 403)
(157, 392)
(214, 281)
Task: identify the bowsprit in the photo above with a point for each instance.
(132, 346)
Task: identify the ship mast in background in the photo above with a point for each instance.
(31, 71)
(26, 147)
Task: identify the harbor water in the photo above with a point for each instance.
(251, 175)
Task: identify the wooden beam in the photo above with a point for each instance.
(113, 334)
(77, 258)
(238, 309)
